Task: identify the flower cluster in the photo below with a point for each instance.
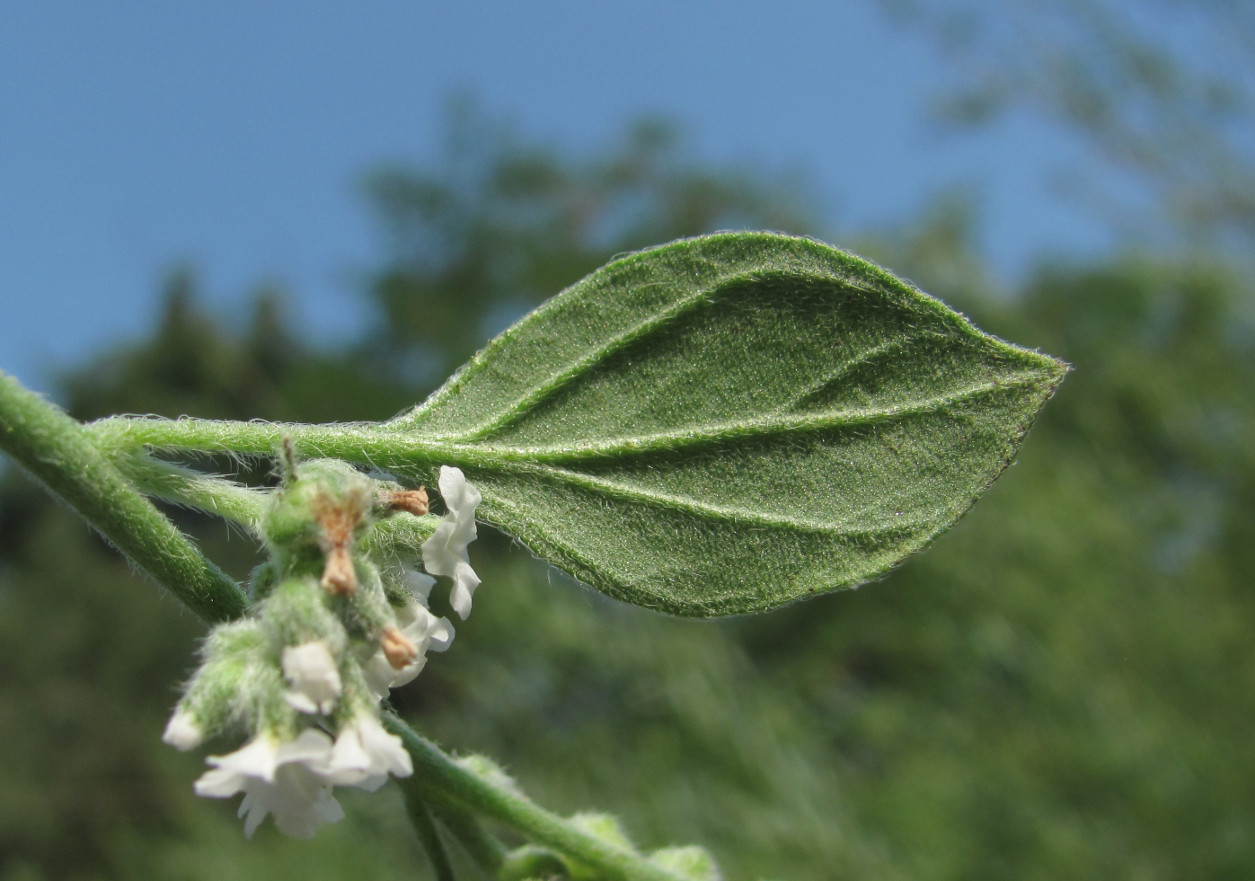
(330, 632)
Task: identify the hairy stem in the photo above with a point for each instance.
(361, 444)
(56, 451)
(185, 486)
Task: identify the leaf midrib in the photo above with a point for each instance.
(688, 437)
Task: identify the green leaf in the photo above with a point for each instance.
(725, 424)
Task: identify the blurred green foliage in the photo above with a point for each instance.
(1162, 92)
(1061, 687)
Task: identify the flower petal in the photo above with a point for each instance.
(182, 732)
(256, 760)
(444, 552)
(286, 780)
(312, 672)
(365, 753)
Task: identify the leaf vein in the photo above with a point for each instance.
(844, 369)
(721, 433)
(594, 355)
(742, 516)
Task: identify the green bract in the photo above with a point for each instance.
(725, 424)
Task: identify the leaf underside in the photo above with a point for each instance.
(729, 423)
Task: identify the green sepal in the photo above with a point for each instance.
(529, 861)
(691, 862)
(606, 827)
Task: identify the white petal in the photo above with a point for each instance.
(386, 749)
(408, 673)
(182, 731)
(299, 800)
(441, 635)
(250, 805)
(285, 779)
(444, 552)
(458, 494)
(424, 629)
(256, 760)
(365, 754)
(312, 749)
(426, 632)
(419, 583)
(464, 583)
(379, 674)
(300, 818)
(350, 762)
(312, 672)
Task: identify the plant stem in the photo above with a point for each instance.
(428, 834)
(55, 450)
(482, 846)
(444, 781)
(185, 486)
(399, 535)
(362, 444)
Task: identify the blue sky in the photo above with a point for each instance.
(234, 136)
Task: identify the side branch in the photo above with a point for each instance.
(444, 781)
(184, 486)
(55, 450)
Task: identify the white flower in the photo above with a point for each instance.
(292, 780)
(425, 631)
(315, 679)
(444, 553)
(286, 779)
(364, 754)
(182, 731)
(419, 583)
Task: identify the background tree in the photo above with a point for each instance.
(1175, 122)
(502, 224)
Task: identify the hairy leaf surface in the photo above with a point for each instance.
(728, 423)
